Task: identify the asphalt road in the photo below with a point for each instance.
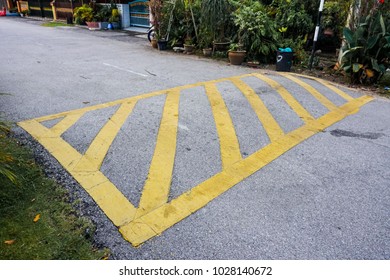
(191, 158)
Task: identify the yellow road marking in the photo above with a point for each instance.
(155, 214)
(65, 124)
(229, 146)
(158, 183)
(328, 85)
(324, 101)
(106, 195)
(94, 156)
(270, 125)
(169, 214)
(291, 101)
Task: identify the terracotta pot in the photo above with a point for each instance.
(188, 48)
(93, 25)
(154, 43)
(237, 57)
(207, 51)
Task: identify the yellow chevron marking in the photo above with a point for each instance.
(155, 213)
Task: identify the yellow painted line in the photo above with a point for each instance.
(229, 146)
(322, 99)
(286, 95)
(94, 156)
(66, 123)
(272, 128)
(162, 218)
(329, 85)
(129, 99)
(157, 185)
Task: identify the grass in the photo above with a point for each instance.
(55, 24)
(37, 221)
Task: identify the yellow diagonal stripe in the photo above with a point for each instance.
(333, 88)
(66, 123)
(94, 156)
(322, 99)
(229, 146)
(157, 185)
(286, 95)
(272, 128)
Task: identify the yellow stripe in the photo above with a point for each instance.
(158, 183)
(155, 222)
(335, 89)
(95, 183)
(269, 123)
(322, 99)
(129, 99)
(94, 156)
(291, 101)
(65, 124)
(229, 146)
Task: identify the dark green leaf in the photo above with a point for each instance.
(372, 41)
(348, 34)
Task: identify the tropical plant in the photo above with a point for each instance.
(366, 54)
(83, 14)
(292, 14)
(216, 17)
(256, 30)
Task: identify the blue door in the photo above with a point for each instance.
(139, 13)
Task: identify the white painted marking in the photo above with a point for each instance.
(182, 126)
(126, 70)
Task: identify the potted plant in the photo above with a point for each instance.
(115, 17)
(85, 15)
(156, 9)
(215, 15)
(188, 46)
(236, 54)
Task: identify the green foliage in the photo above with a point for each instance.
(293, 15)
(216, 17)
(83, 14)
(257, 31)
(367, 50)
(58, 234)
(6, 159)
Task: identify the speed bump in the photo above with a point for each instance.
(155, 213)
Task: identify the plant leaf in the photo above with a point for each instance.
(348, 34)
(37, 217)
(375, 65)
(356, 67)
(372, 41)
(382, 25)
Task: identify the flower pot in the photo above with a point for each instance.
(207, 51)
(221, 46)
(162, 45)
(153, 42)
(236, 57)
(188, 49)
(93, 25)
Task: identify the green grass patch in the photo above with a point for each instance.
(37, 221)
(55, 24)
